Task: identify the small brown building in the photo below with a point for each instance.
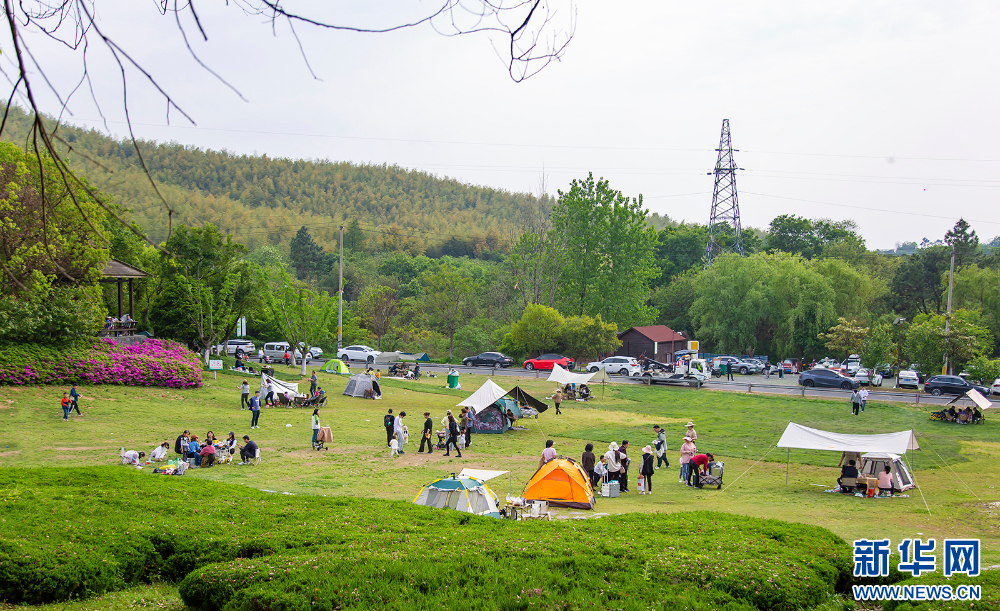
(657, 342)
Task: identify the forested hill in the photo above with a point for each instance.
(262, 200)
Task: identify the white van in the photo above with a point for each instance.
(276, 350)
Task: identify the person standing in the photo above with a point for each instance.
(625, 461)
(389, 421)
(425, 436)
(315, 425)
(660, 446)
(614, 465)
(312, 384)
(452, 436)
(74, 400)
(288, 358)
(397, 427)
(557, 399)
(863, 394)
(729, 371)
(691, 432)
(855, 402)
(463, 426)
(647, 469)
(254, 409)
(245, 395)
(688, 450)
(269, 397)
(589, 463)
(180, 446)
(65, 406)
(547, 454)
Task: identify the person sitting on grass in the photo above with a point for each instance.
(206, 457)
(210, 438)
(132, 457)
(885, 481)
(249, 451)
(194, 450)
(159, 453)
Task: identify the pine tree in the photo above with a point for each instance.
(308, 258)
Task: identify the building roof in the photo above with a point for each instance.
(657, 333)
(116, 269)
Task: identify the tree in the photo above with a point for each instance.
(983, 369)
(916, 284)
(302, 314)
(612, 250)
(536, 263)
(308, 259)
(966, 244)
(928, 344)
(206, 267)
(354, 236)
(380, 307)
(978, 288)
(448, 301)
(878, 347)
(800, 306)
(731, 310)
(584, 336)
(539, 330)
(809, 238)
(680, 248)
(674, 302)
(847, 337)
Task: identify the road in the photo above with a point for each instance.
(750, 383)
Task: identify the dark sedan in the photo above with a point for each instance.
(488, 359)
(825, 378)
(951, 385)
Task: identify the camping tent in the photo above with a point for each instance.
(803, 437)
(875, 462)
(280, 387)
(336, 366)
(361, 382)
(524, 398)
(387, 357)
(561, 376)
(493, 418)
(563, 483)
(482, 475)
(487, 394)
(460, 493)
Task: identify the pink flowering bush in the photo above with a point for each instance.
(155, 362)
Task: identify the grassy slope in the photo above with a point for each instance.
(358, 466)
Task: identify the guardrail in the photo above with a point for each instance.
(873, 395)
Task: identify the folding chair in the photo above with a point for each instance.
(848, 484)
(256, 457)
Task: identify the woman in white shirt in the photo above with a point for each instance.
(159, 453)
(315, 425)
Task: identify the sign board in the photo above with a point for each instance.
(241, 327)
(693, 345)
(215, 365)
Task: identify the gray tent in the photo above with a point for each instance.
(359, 384)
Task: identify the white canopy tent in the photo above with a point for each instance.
(561, 376)
(805, 438)
(387, 357)
(483, 475)
(486, 396)
(280, 387)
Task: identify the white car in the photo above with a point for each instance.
(995, 389)
(235, 344)
(908, 379)
(358, 352)
(622, 365)
(314, 352)
(864, 377)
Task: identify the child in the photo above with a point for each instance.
(393, 447)
(646, 471)
(65, 406)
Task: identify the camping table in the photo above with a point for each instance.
(870, 482)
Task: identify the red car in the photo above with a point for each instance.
(546, 361)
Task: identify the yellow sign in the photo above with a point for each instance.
(692, 345)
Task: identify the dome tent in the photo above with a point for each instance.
(563, 483)
(360, 383)
(875, 462)
(466, 494)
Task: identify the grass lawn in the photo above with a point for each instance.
(957, 467)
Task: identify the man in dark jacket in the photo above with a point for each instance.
(389, 422)
(425, 437)
(248, 451)
(588, 462)
(181, 444)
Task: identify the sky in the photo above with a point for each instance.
(878, 112)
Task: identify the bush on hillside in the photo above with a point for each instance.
(154, 362)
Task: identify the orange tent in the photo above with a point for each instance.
(563, 483)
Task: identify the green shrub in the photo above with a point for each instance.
(989, 580)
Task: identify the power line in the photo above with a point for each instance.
(870, 209)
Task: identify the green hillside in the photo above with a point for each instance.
(261, 200)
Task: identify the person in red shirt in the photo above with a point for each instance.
(699, 462)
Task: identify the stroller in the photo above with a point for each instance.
(710, 480)
(223, 455)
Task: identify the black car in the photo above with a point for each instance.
(488, 359)
(951, 385)
(825, 378)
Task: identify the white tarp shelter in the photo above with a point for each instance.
(562, 376)
(600, 376)
(805, 438)
(486, 396)
(979, 399)
(280, 387)
(482, 475)
(388, 357)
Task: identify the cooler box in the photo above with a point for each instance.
(610, 489)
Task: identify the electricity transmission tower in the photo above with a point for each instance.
(724, 232)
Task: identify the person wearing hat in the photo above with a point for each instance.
(613, 465)
(230, 443)
(647, 469)
(625, 462)
(660, 447)
(688, 450)
(690, 432)
(425, 437)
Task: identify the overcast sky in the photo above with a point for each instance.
(881, 112)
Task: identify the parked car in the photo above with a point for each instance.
(277, 350)
(244, 345)
(851, 364)
(488, 359)
(826, 378)
(951, 385)
(315, 351)
(546, 361)
(866, 377)
(359, 352)
(996, 387)
(622, 365)
(738, 365)
(908, 379)
(791, 365)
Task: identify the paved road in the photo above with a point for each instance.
(752, 383)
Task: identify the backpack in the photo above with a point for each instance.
(388, 421)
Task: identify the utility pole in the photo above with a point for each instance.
(947, 317)
(340, 294)
(724, 231)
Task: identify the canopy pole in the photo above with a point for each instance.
(788, 457)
